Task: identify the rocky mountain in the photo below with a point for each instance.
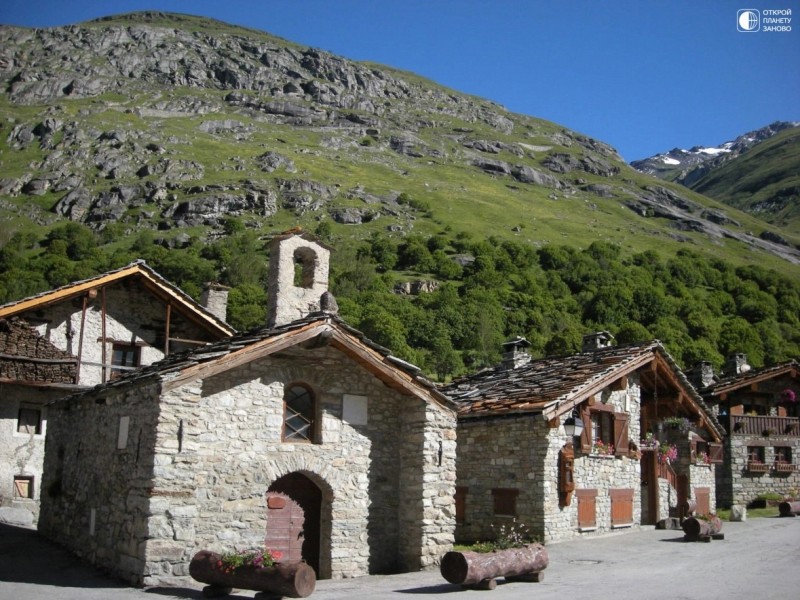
(758, 172)
(179, 124)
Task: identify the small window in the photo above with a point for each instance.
(299, 415)
(755, 454)
(602, 432)
(29, 420)
(23, 486)
(702, 453)
(124, 358)
(305, 265)
(505, 502)
(783, 455)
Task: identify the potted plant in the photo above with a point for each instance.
(667, 453)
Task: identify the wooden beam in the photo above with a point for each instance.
(245, 355)
(80, 338)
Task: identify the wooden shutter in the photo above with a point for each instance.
(587, 508)
(586, 436)
(505, 501)
(702, 496)
(621, 507)
(461, 503)
(715, 453)
(621, 434)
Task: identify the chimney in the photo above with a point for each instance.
(597, 340)
(298, 277)
(702, 375)
(515, 353)
(215, 299)
(736, 364)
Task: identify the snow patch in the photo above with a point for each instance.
(669, 161)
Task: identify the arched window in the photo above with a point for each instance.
(305, 264)
(299, 414)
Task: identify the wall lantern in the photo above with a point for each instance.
(573, 425)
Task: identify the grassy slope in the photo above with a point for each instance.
(770, 170)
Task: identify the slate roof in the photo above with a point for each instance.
(553, 385)
(157, 284)
(748, 378)
(193, 364)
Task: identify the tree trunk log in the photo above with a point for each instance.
(696, 528)
(470, 568)
(293, 580)
(789, 509)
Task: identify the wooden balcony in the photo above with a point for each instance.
(758, 425)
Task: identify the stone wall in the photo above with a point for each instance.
(97, 486)
(21, 454)
(201, 462)
(521, 453)
(738, 485)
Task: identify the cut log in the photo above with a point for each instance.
(470, 568)
(292, 580)
(789, 509)
(696, 528)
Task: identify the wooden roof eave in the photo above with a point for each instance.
(790, 370)
(244, 355)
(377, 364)
(162, 290)
(569, 401)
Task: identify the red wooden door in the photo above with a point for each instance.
(702, 496)
(294, 503)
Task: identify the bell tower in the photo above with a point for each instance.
(298, 276)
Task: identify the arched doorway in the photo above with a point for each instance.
(294, 506)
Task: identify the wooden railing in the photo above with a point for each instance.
(761, 425)
(665, 471)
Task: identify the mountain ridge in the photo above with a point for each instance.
(175, 122)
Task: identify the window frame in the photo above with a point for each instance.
(312, 437)
(613, 428)
(29, 484)
(38, 428)
(117, 368)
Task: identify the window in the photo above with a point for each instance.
(299, 414)
(461, 504)
(505, 502)
(783, 459)
(305, 265)
(755, 459)
(605, 432)
(124, 357)
(29, 420)
(23, 486)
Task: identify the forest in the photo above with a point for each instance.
(480, 292)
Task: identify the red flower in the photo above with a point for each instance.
(276, 555)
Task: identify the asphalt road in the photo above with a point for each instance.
(758, 559)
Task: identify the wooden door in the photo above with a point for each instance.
(294, 504)
(702, 496)
(650, 507)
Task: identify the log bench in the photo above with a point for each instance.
(289, 579)
(705, 529)
(479, 570)
(789, 509)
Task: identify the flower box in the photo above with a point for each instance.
(290, 579)
(783, 467)
(757, 467)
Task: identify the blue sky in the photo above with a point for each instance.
(643, 76)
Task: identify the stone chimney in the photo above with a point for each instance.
(215, 299)
(515, 353)
(597, 340)
(298, 277)
(702, 375)
(736, 364)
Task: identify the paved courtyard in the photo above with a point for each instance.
(758, 560)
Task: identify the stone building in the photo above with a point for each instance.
(760, 409)
(303, 435)
(77, 336)
(561, 445)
